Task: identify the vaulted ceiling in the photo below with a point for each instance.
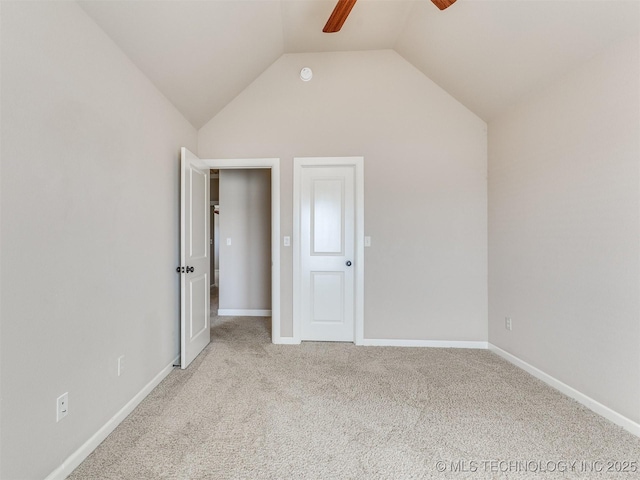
(486, 53)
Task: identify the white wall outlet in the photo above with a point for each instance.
(367, 241)
(62, 406)
(287, 241)
(120, 365)
(507, 323)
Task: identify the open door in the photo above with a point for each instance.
(194, 257)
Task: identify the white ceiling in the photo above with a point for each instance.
(490, 53)
(486, 53)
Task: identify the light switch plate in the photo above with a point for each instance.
(62, 406)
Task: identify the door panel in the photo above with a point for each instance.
(198, 209)
(198, 316)
(327, 290)
(194, 258)
(327, 213)
(327, 243)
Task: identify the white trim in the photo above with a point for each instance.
(297, 267)
(287, 341)
(238, 312)
(77, 457)
(358, 164)
(274, 165)
(562, 387)
(359, 333)
(237, 163)
(386, 342)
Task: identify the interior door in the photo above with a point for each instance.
(327, 247)
(194, 257)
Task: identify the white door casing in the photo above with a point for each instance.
(328, 253)
(274, 165)
(195, 237)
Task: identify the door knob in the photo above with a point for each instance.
(348, 263)
(190, 269)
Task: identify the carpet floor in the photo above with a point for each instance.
(248, 409)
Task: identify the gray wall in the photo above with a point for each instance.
(245, 218)
(425, 181)
(89, 232)
(564, 228)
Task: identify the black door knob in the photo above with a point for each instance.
(348, 264)
(190, 269)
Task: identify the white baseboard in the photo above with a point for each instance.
(384, 342)
(285, 341)
(580, 397)
(238, 312)
(77, 457)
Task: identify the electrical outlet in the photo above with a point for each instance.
(367, 241)
(62, 406)
(120, 365)
(507, 323)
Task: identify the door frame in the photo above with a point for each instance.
(358, 163)
(274, 165)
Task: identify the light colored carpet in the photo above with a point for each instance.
(248, 409)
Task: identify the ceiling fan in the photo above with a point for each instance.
(343, 8)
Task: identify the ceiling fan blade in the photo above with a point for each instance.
(339, 15)
(442, 4)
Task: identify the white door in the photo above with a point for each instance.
(194, 257)
(327, 248)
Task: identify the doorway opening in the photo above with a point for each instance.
(244, 254)
(273, 256)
